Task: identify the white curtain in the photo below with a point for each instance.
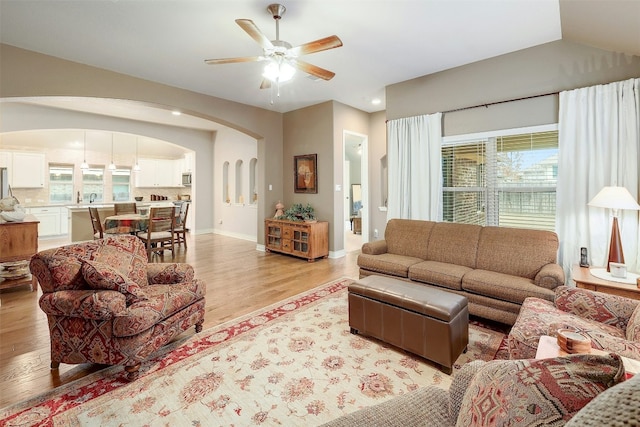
(415, 172)
(599, 145)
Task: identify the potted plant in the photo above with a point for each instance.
(297, 212)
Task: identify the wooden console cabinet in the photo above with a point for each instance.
(19, 242)
(308, 240)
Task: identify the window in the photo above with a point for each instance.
(504, 178)
(93, 184)
(60, 183)
(120, 181)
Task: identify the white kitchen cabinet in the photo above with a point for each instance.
(5, 160)
(158, 173)
(64, 220)
(49, 218)
(27, 170)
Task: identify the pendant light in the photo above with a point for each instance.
(136, 167)
(112, 166)
(84, 165)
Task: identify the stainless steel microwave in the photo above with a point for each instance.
(186, 179)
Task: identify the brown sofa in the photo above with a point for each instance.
(496, 268)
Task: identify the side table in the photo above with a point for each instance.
(19, 242)
(585, 280)
(548, 348)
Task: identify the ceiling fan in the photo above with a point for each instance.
(283, 59)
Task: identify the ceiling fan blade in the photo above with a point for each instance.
(266, 84)
(314, 70)
(250, 28)
(233, 60)
(319, 45)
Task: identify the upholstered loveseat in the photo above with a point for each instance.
(496, 268)
(106, 304)
(612, 322)
(572, 391)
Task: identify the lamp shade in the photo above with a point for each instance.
(614, 198)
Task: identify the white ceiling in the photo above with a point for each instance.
(385, 42)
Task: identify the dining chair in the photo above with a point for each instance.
(180, 230)
(160, 232)
(98, 233)
(124, 208)
(96, 223)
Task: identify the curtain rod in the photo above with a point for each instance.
(500, 102)
(496, 103)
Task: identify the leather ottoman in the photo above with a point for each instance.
(428, 322)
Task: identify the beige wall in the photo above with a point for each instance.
(29, 74)
(547, 68)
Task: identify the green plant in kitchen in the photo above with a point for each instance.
(297, 212)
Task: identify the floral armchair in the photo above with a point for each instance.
(612, 322)
(106, 304)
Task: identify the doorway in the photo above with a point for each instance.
(355, 185)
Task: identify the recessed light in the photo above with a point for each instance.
(376, 101)
(176, 113)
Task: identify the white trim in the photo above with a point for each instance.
(457, 139)
(236, 235)
(337, 254)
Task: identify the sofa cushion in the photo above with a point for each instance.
(537, 392)
(602, 308)
(439, 273)
(454, 244)
(126, 254)
(538, 317)
(503, 286)
(408, 237)
(102, 276)
(391, 264)
(162, 301)
(633, 327)
(509, 250)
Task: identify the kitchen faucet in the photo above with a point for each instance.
(92, 197)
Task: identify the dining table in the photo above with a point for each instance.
(126, 223)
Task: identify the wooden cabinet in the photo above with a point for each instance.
(308, 240)
(19, 242)
(585, 280)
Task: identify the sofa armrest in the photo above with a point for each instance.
(459, 386)
(166, 274)
(609, 309)
(426, 406)
(550, 276)
(376, 247)
(87, 304)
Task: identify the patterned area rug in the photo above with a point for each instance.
(294, 363)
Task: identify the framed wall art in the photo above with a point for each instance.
(305, 173)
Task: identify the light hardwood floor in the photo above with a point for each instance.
(239, 280)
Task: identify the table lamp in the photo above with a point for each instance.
(615, 198)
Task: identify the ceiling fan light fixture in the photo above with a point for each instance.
(278, 72)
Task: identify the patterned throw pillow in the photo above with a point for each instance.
(633, 327)
(545, 392)
(125, 254)
(101, 276)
